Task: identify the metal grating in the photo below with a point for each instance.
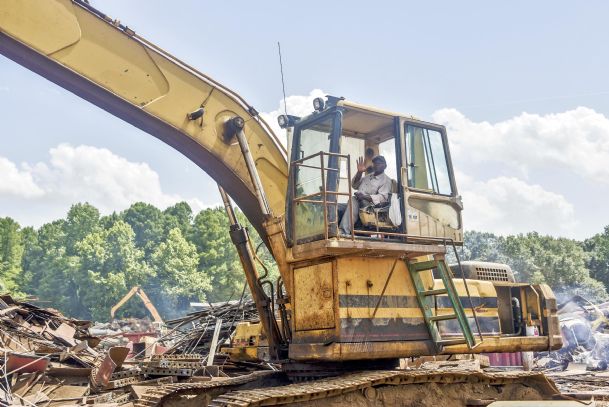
(492, 274)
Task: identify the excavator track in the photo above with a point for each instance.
(366, 384)
(157, 395)
(364, 381)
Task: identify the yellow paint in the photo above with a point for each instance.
(314, 297)
(355, 274)
(46, 26)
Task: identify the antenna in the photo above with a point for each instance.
(285, 106)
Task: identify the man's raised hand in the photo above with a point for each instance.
(361, 166)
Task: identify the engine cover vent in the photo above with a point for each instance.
(481, 270)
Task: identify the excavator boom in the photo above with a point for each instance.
(86, 52)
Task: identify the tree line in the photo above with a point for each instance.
(569, 266)
(84, 264)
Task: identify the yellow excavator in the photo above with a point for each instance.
(346, 306)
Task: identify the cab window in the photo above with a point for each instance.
(387, 150)
(312, 140)
(354, 148)
(427, 160)
(307, 209)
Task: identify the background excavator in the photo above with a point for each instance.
(156, 317)
(342, 303)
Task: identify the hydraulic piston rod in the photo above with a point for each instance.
(237, 124)
(264, 305)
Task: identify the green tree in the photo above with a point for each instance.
(85, 263)
(175, 261)
(178, 216)
(30, 242)
(261, 251)
(559, 262)
(147, 222)
(11, 255)
(50, 271)
(106, 222)
(81, 220)
(217, 256)
(483, 246)
(110, 265)
(597, 248)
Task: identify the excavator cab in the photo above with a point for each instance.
(423, 204)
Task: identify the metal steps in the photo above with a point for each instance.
(427, 299)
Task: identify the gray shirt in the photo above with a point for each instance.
(377, 186)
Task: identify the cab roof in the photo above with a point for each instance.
(367, 121)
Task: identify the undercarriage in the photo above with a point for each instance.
(417, 387)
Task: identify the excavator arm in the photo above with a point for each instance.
(86, 52)
(149, 306)
(147, 303)
(122, 302)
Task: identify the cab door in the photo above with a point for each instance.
(431, 204)
(313, 175)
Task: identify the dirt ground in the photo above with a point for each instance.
(431, 394)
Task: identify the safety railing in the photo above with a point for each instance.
(323, 196)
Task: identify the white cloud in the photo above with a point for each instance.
(17, 183)
(297, 105)
(576, 141)
(85, 173)
(508, 205)
(566, 153)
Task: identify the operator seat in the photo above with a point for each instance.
(376, 217)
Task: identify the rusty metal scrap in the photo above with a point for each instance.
(37, 346)
(579, 369)
(580, 381)
(584, 328)
(50, 359)
(194, 332)
(26, 328)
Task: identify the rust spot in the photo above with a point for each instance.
(326, 293)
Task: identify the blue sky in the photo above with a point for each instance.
(521, 86)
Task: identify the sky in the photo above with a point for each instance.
(521, 87)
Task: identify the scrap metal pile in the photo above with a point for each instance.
(585, 332)
(119, 326)
(201, 325)
(47, 359)
(578, 382)
(580, 367)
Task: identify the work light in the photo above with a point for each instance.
(318, 104)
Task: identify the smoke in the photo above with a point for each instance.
(582, 326)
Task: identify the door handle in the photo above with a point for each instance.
(404, 177)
